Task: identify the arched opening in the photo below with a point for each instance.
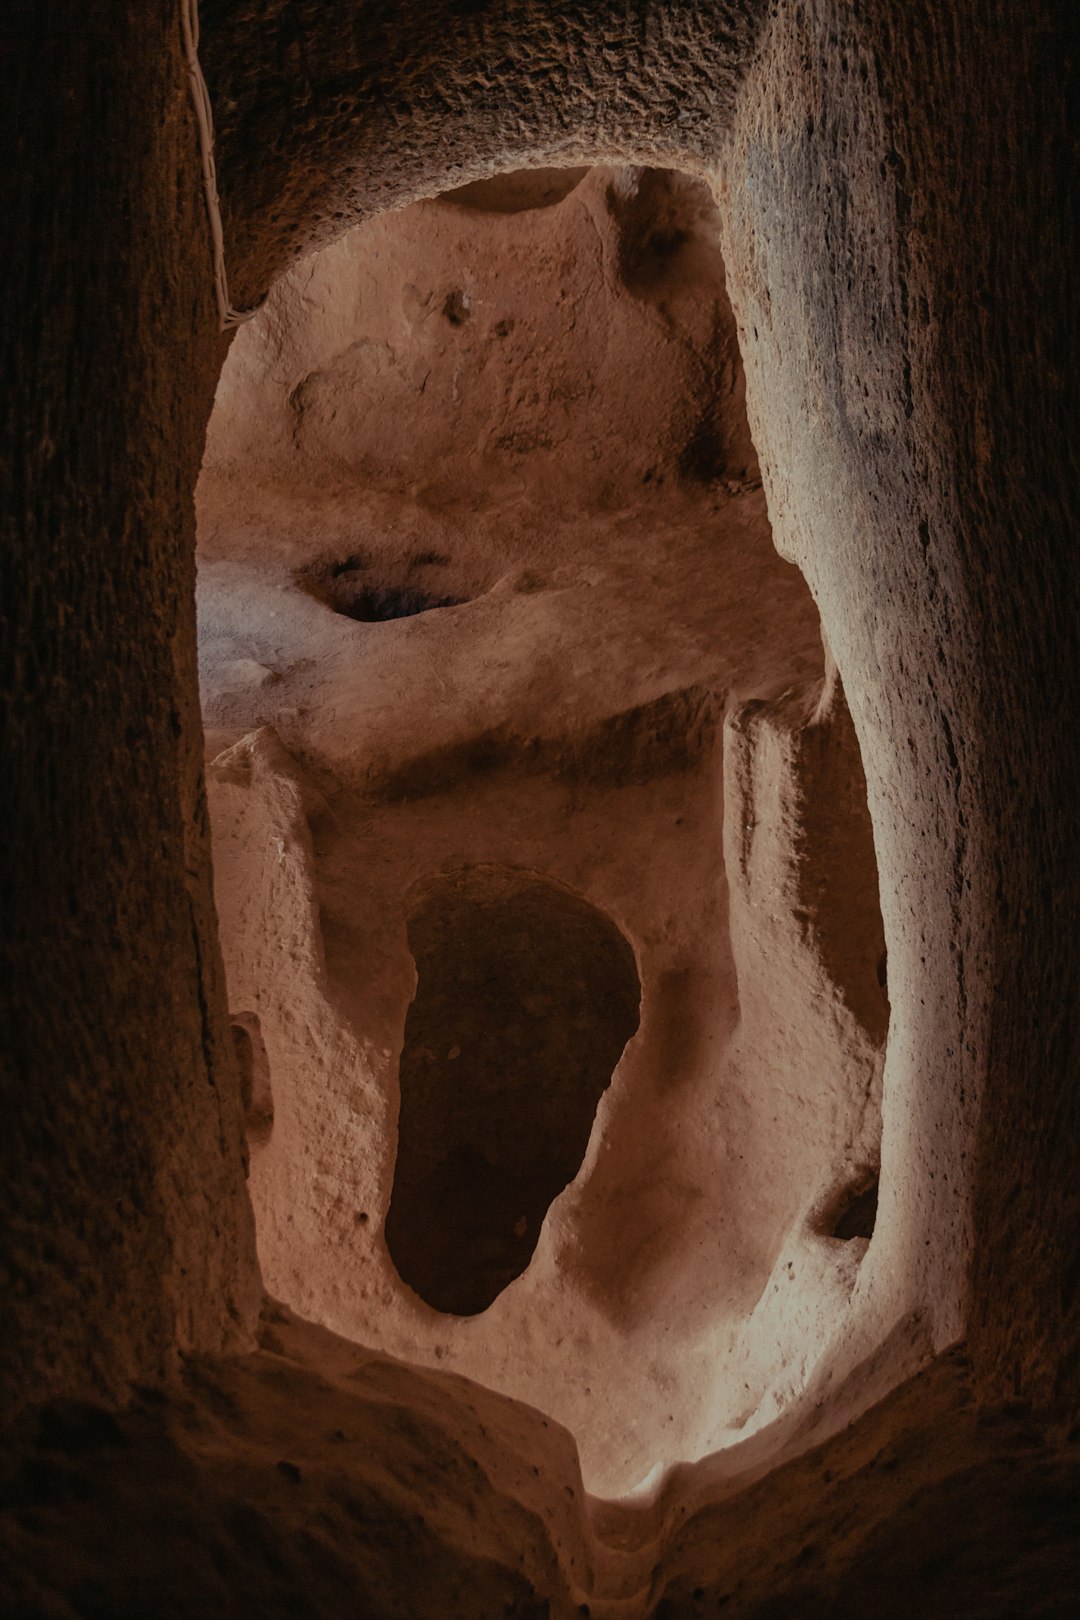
(483, 543)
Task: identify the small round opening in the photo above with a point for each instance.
(526, 995)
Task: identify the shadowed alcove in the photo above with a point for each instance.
(526, 996)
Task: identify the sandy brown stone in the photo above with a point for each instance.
(657, 1272)
(894, 184)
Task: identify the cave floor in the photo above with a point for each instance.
(311, 1478)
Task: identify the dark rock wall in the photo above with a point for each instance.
(127, 1230)
(992, 240)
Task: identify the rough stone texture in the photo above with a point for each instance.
(555, 459)
(891, 204)
(313, 1479)
(935, 543)
(462, 358)
(127, 1235)
(403, 101)
(927, 1507)
(525, 998)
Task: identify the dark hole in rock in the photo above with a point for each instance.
(515, 192)
(348, 588)
(375, 605)
(254, 1066)
(457, 307)
(526, 996)
(854, 1212)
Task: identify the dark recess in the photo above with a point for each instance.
(526, 996)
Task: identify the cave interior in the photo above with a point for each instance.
(538, 670)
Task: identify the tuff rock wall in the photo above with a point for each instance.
(128, 1234)
(908, 401)
(896, 185)
(484, 563)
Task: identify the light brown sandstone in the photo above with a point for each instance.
(541, 728)
(893, 192)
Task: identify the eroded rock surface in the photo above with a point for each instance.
(312, 1478)
(895, 180)
(485, 564)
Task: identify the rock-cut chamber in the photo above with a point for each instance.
(496, 647)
